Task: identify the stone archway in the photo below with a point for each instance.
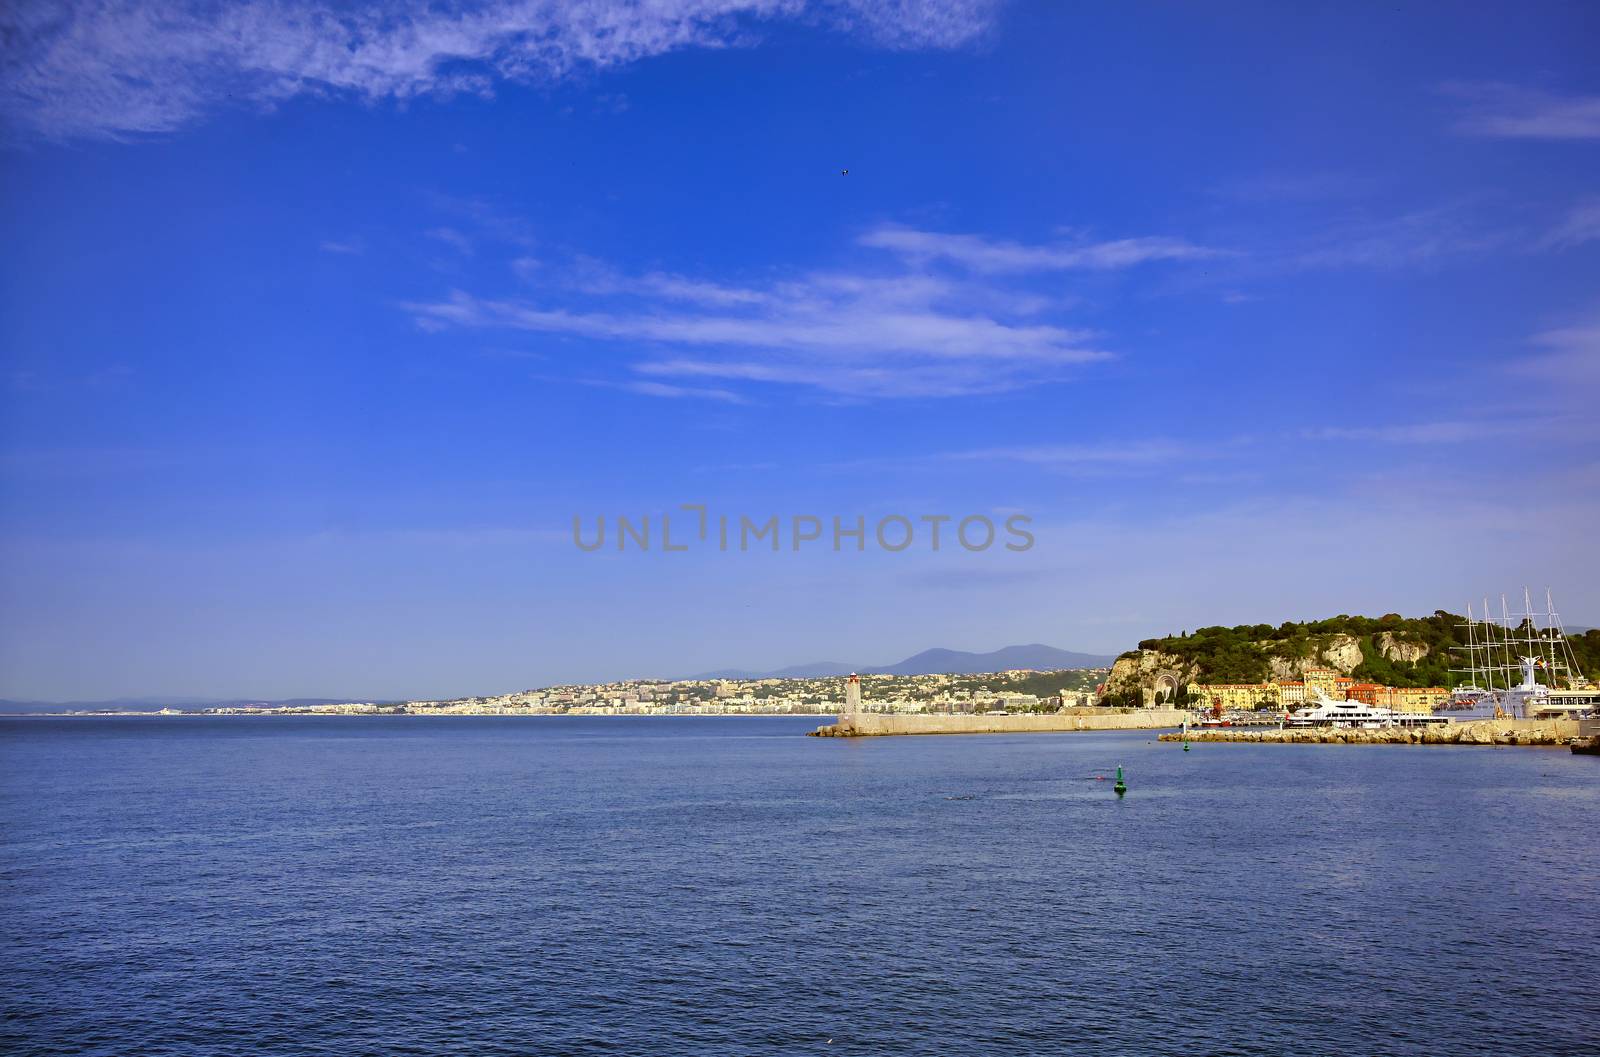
(1164, 688)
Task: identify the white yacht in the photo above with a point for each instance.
(1324, 711)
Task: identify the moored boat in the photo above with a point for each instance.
(1324, 711)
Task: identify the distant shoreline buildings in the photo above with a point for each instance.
(1016, 690)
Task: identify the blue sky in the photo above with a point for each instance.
(318, 325)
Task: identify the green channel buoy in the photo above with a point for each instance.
(1185, 746)
(1121, 786)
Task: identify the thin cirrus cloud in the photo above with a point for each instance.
(1121, 455)
(918, 332)
(1519, 419)
(992, 256)
(1507, 111)
(1415, 433)
(1569, 358)
(668, 392)
(819, 334)
(1421, 238)
(120, 68)
(1580, 225)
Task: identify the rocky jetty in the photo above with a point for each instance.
(879, 724)
(1484, 732)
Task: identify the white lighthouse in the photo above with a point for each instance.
(852, 695)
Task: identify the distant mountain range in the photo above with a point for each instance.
(934, 662)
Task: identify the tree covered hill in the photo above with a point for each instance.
(1395, 650)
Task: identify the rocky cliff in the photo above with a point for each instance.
(1147, 671)
(1391, 649)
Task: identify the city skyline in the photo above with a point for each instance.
(313, 351)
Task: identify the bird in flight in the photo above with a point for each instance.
(844, 172)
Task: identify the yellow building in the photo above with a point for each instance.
(1324, 679)
(1412, 698)
(1291, 693)
(1233, 696)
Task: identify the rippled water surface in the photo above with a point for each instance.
(725, 886)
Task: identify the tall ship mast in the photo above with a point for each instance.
(1518, 665)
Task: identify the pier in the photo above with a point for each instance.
(1547, 732)
(876, 724)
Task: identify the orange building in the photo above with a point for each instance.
(1412, 698)
(1366, 693)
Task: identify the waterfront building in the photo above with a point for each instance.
(1324, 680)
(1411, 698)
(1233, 696)
(1291, 693)
(1366, 693)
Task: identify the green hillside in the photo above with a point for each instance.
(1242, 654)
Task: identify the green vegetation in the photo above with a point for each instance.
(1244, 654)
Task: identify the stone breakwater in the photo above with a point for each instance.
(873, 724)
(1480, 732)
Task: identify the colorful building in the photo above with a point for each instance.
(1366, 693)
(1323, 679)
(1234, 696)
(1412, 698)
(1291, 692)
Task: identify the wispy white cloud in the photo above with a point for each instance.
(348, 246)
(113, 68)
(847, 334)
(993, 256)
(853, 381)
(1420, 238)
(1120, 454)
(1512, 112)
(597, 277)
(1132, 456)
(796, 326)
(1515, 417)
(1580, 225)
(671, 392)
(484, 220)
(1570, 359)
(678, 392)
(452, 238)
(1449, 432)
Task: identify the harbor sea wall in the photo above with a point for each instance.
(1475, 732)
(873, 724)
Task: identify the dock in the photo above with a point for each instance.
(1547, 732)
(879, 724)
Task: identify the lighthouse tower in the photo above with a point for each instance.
(852, 695)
